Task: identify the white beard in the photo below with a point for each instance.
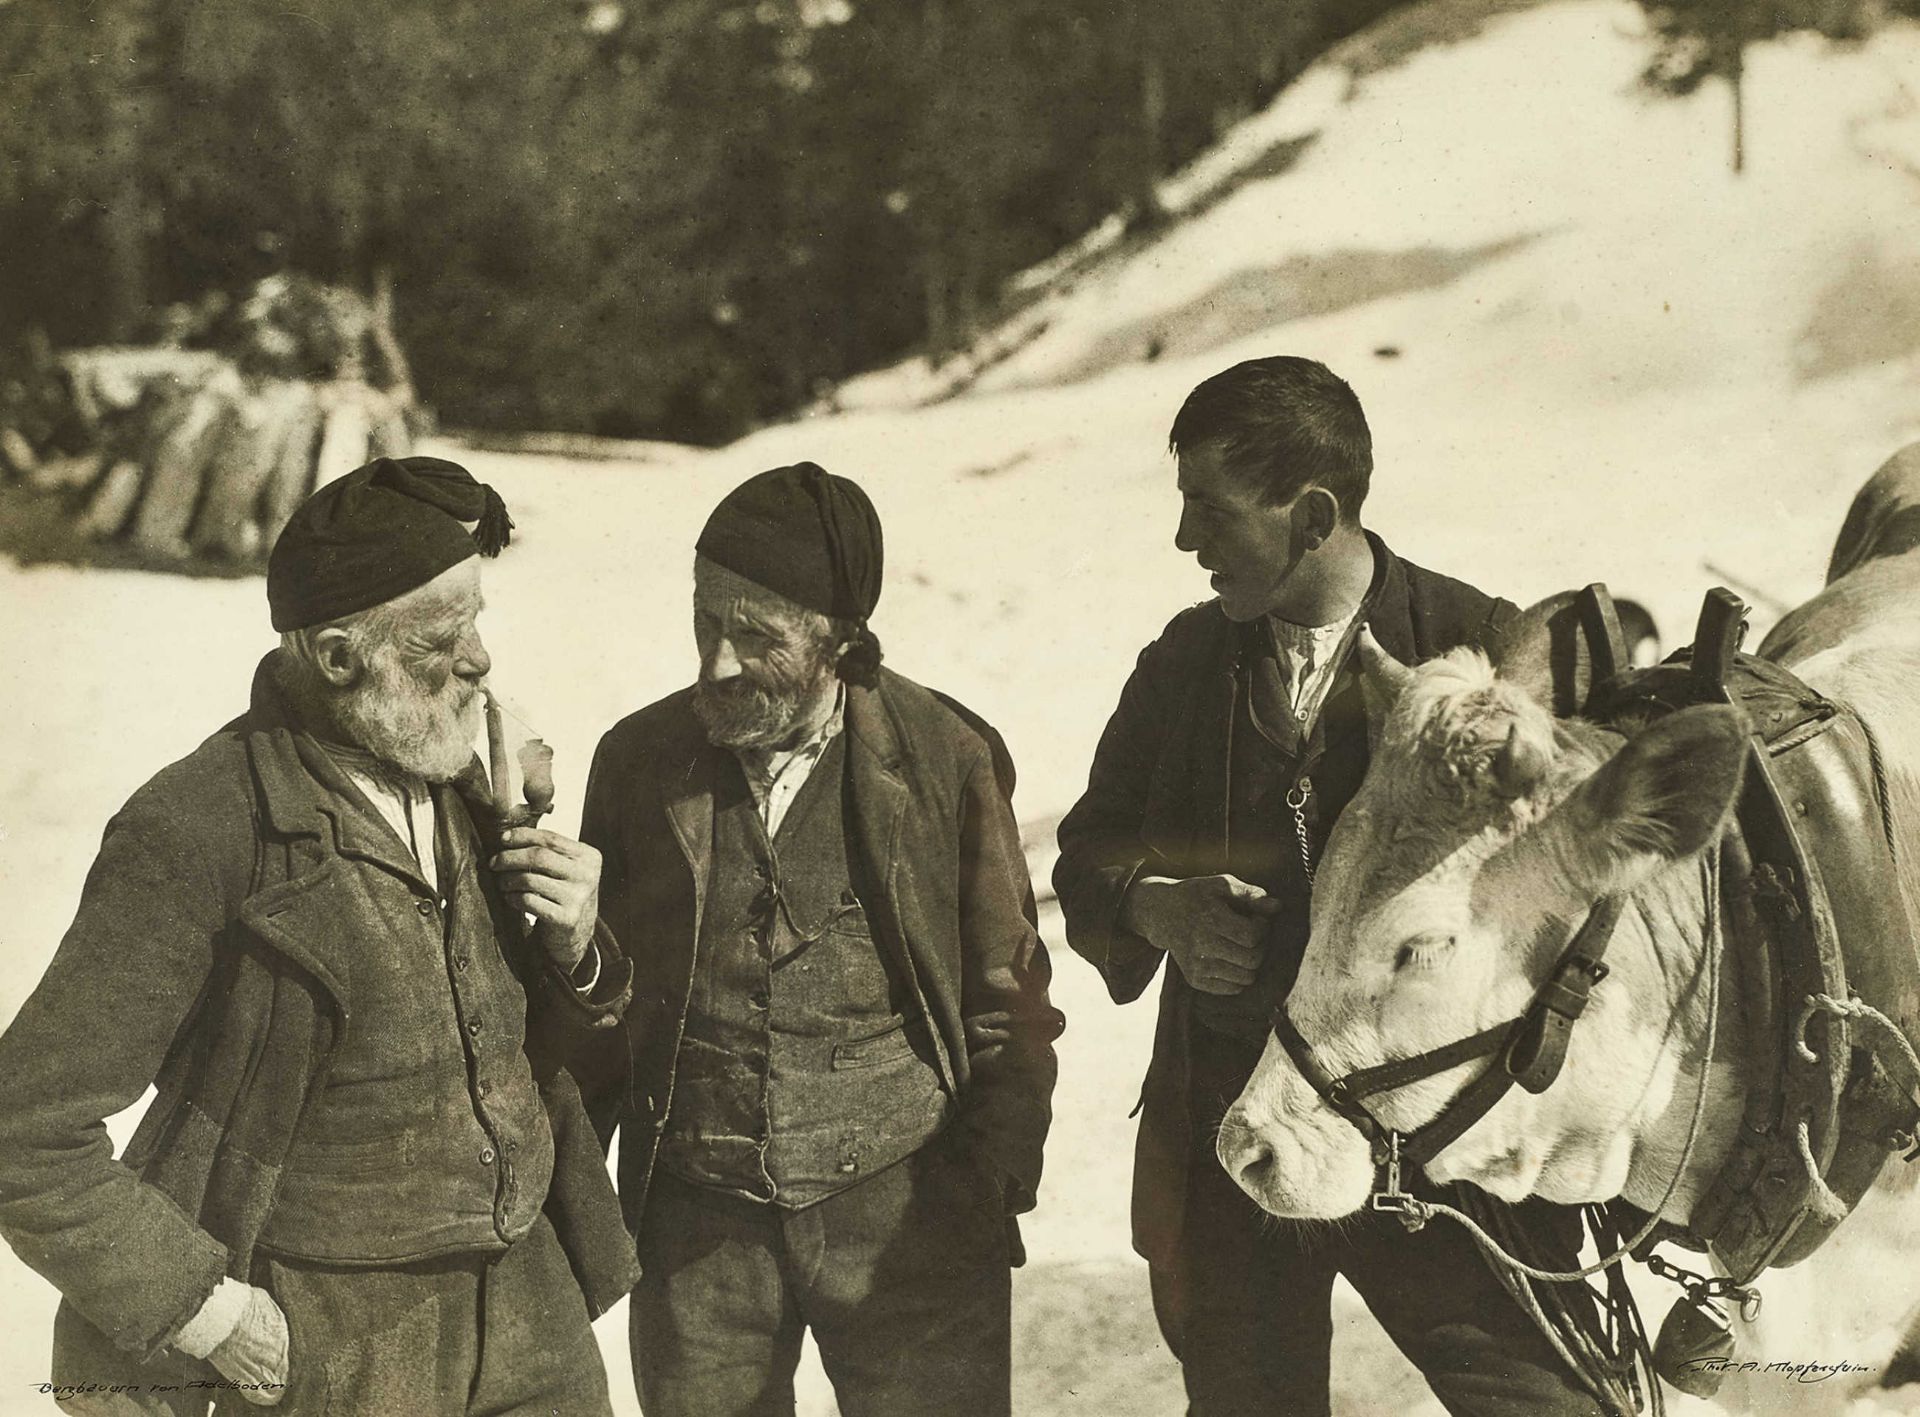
(396, 719)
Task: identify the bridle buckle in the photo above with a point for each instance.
(1390, 1197)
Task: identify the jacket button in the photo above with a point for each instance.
(460, 961)
(759, 999)
(473, 1027)
(481, 1088)
(425, 907)
(486, 1156)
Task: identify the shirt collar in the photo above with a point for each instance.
(383, 774)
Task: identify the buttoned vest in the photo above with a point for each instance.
(428, 1136)
(804, 1067)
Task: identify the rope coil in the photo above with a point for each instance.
(1889, 1045)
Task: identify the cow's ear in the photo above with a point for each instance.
(1663, 797)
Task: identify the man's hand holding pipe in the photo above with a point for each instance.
(556, 880)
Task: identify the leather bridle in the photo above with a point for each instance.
(1531, 1050)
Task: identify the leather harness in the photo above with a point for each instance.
(1530, 1049)
(1817, 924)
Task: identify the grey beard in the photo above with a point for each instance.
(746, 715)
(416, 735)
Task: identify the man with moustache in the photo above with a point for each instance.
(1238, 738)
(837, 1071)
(365, 1185)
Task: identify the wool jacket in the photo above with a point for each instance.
(1157, 800)
(929, 826)
(206, 959)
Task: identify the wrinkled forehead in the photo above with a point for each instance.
(1402, 828)
(727, 594)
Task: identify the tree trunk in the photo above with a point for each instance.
(396, 376)
(126, 29)
(969, 297)
(1737, 78)
(1151, 112)
(178, 464)
(344, 434)
(1153, 120)
(111, 501)
(938, 312)
(932, 197)
(262, 421)
(291, 477)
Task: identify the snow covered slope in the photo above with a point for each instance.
(1588, 352)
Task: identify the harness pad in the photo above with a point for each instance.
(1813, 901)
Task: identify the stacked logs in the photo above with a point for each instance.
(203, 446)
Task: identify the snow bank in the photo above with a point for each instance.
(1610, 360)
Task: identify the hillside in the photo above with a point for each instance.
(1587, 350)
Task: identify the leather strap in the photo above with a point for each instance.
(1532, 1049)
(1606, 642)
(1539, 1047)
(1716, 640)
(1323, 1082)
(1385, 1077)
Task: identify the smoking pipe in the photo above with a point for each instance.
(536, 772)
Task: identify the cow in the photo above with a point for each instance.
(1486, 832)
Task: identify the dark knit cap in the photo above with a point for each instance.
(803, 533)
(377, 533)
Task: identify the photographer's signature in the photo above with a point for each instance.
(64, 1391)
(1791, 1369)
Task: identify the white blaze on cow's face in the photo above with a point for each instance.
(1451, 884)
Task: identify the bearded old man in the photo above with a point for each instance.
(1238, 738)
(365, 1185)
(838, 1070)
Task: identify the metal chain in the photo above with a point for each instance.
(1699, 1286)
(1297, 798)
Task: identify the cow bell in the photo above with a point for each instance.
(1696, 1345)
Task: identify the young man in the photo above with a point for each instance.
(1238, 738)
(836, 1078)
(364, 1185)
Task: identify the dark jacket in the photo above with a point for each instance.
(929, 824)
(1156, 802)
(203, 960)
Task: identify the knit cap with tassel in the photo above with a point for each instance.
(377, 533)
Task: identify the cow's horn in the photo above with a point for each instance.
(1520, 764)
(1382, 677)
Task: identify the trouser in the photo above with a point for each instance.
(903, 1279)
(468, 1336)
(1248, 1307)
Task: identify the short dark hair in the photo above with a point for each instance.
(1284, 424)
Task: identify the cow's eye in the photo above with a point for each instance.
(1423, 951)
